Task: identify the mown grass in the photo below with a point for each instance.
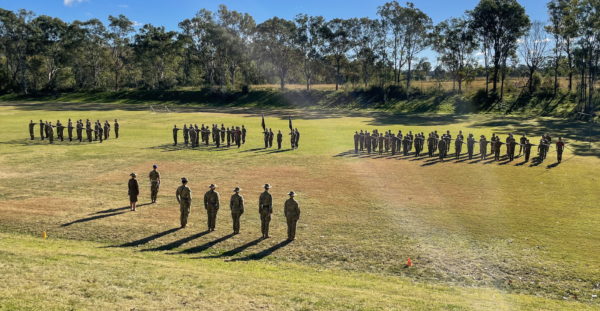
(482, 227)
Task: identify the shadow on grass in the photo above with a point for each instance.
(176, 244)
(112, 210)
(203, 247)
(264, 253)
(91, 218)
(236, 250)
(148, 239)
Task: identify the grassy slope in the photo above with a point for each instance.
(464, 223)
(562, 106)
(56, 274)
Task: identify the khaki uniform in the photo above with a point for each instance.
(31, 125)
(211, 204)
(442, 149)
(154, 184)
(192, 134)
(184, 197)
(116, 129)
(483, 148)
(236, 204)
(291, 210)
(42, 124)
(70, 130)
(265, 209)
(279, 140)
(243, 135)
(50, 133)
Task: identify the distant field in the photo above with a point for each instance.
(481, 234)
(445, 85)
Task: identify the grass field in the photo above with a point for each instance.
(481, 235)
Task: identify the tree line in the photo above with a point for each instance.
(228, 49)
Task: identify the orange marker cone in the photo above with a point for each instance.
(44, 234)
(409, 263)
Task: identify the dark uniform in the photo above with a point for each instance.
(50, 130)
(80, 131)
(527, 150)
(543, 148)
(228, 132)
(442, 149)
(211, 204)
(116, 129)
(96, 125)
(431, 142)
(236, 204)
(483, 147)
(265, 209)
(243, 135)
(457, 147)
(405, 144)
(186, 134)
(100, 132)
(470, 146)
(70, 130)
(381, 142)
(361, 140)
(368, 142)
(393, 143)
(193, 136)
(522, 142)
(175, 130)
(560, 147)
(448, 139)
(497, 149)
(271, 136)
(31, 133)
(279, 140)
(223, 132)
(42, 130)
(106, 130)
(266, 137)
(297, 139)
(291, 210)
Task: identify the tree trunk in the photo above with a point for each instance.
(502, 84)
(487, 79)
(408, 78)
(530, 86)
(337, 78)
(116, 80)
(568, 50)
(308, 83)
(23, 69)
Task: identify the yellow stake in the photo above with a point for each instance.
(44, 234)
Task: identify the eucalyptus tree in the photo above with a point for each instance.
(156, 50)
(556, 13)
(337, 39)
(52, 45)
(309, 43)
(119, 35)
(363, 33)
(456, 42)
(533, 50)
(499, 24)
(391, 17)
(275, 39)
(20, 40)
(417, 26)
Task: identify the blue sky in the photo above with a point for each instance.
(169, 13)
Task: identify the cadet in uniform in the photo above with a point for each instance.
(543, 148)
(42, 124)
(497, 149)
(292, 139)
(291, 210)
(50, 130)
(470, 145)
(211, 204)
(448, 140)
(560, 147)
(186, 135)
(96, 124)
(279, 139)
(184, 197)
(60, 130)
(116, 129)
(442, 148)
(243, 135)
(483, 147)
(381, 142)
(457, 147)
(154, 183)
(265, 209)
(405, 144)
(192, 133)
(271, 136)
(236, 204)
(393, 143)
(70, 130)
(100, 131)
(106, 129)
(79, 130)
(527, 150)
(134, 191)
(297, 138)
(175, 130)
(431, 145)
(493, 144)
(368, 142)
(31, 125)
(223, 132)
(266, 133)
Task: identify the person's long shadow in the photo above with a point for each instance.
(432, 163)
(148, 239)
(118, 209)
(251, 150)
(237, 250)
(552, 165)
(278, 151)
(536, 162)
(264, 253)
(521, 164)
(176, 244)
(476, 161)
(203, 247)
(91, 218)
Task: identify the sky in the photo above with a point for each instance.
(169, 13)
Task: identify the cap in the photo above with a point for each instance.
(237, 189)
(267, 186)
(154, 166)
(133, 174)
(292, 193)
(183, 179)
(212, 186)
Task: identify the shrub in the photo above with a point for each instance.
(537, 81)
(246, 89)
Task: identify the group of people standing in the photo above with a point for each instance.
(380, 142)
(212, 204)
(98, 132)
(194, 135)
(269, 136)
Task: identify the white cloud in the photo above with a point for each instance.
(479, 54)
(136, 24)
(479, 61)
(123, 6)
(71, 2)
